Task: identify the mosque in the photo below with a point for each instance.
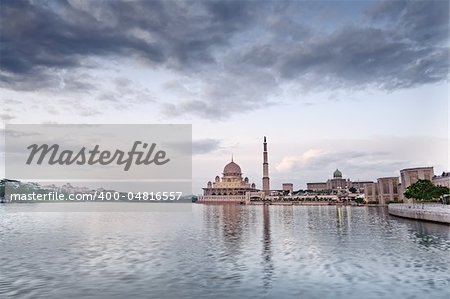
(232, 187)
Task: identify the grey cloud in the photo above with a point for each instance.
(409, 50)
(352, 57)
(421, 21)
(348, 159)
(11, 133)
(197, 147)
(227, 93)
(83, 109)
(125, 93)
(339, 159)
(37, 36)
(6, 116)
(204, 146)
(242, 52)
(49, 79)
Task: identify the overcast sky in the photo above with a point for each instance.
(362, 86)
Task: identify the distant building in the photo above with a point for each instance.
(288, 187)
(316, 186)
(388, 190)
(411, 175)
(360, 185)
(371, 192)
(442, 180)
(336, 183)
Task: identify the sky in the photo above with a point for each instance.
(362, 86)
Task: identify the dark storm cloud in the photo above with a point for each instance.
(58, 34)
(421, 21)
(402, 44)
(357, 57)
(242, 52)
(40, 78)
(395, 48)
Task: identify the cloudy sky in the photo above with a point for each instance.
(358, 85)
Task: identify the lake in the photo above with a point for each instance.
(223, 251)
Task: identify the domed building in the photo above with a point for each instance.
(231, 187)
(336, 183)
(337, 174)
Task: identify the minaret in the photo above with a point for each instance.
(265, 179)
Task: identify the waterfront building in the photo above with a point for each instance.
(384, 191)
(442, 180)
(371, 192)
(288, 187)
(317, 186)
(359, 185)
(231, 187)
(388, 190)
(336, 183)
(411, 175)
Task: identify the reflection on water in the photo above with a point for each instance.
(223, 251)
(268, 268)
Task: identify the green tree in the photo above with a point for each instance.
(359, 200)
(441, 190)
(425, 190)
(2, 188)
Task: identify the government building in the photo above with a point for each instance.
(384, 191)
(336, 183)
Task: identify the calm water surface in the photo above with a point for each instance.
(223, 251)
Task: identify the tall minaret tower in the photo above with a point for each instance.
(265, 179)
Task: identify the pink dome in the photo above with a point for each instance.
(232, 169)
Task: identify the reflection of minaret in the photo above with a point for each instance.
(268, 267)
(265, 179)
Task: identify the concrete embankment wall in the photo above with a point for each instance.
(436, 213)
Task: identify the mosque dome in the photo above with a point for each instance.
(232, 169)
(337, 174)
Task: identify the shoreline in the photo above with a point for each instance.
(261, 203)
(437, 213)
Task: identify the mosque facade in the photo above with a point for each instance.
(233, 187)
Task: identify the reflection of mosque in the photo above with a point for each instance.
(230, 236)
